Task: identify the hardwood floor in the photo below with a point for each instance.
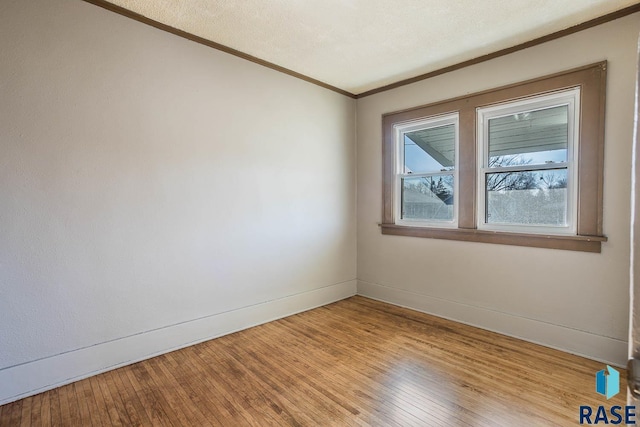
(354, 362)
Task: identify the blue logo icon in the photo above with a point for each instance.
(608, 385)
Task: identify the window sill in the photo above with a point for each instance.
(549, 241)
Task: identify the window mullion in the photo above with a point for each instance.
(467, 165)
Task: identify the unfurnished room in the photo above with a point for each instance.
(305, 213)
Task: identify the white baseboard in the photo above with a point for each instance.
(35, 377)
(597, 347)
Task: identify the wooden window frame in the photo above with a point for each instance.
(592, 82)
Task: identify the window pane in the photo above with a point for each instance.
(428, 198)
(430, 150)
(531, 198)
(529, 137)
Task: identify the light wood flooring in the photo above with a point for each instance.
(354, 362)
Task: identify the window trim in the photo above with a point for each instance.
(592, 81)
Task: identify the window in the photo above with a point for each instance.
(426, 178)
(526, 164)
(518, 165)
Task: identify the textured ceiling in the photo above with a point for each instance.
(358, 45)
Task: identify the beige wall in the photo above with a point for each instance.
(155, 192)
(570, 300)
